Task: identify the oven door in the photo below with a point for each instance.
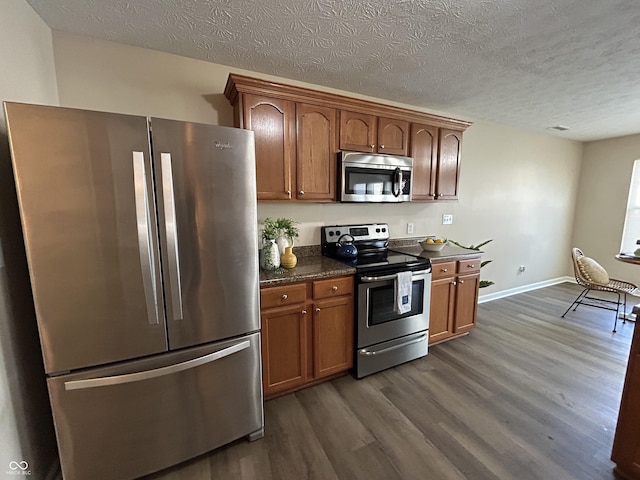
(376, 319)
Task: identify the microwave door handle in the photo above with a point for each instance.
(397, 182)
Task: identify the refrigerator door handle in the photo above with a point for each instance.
(156, 372)
(147, 261)
(172, 235)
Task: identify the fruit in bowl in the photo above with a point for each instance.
(433, 244)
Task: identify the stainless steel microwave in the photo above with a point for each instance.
(371, 177)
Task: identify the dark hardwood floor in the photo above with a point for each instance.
(526, 395)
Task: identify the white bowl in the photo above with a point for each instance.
(432, 247)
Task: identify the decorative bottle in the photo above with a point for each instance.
(270, 256)
(288, 259)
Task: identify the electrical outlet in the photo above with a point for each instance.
(522, 268)
(410, 228)
(447, 219)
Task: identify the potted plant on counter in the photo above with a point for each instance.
(277, 235)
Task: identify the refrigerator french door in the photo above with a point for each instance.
(140, 236)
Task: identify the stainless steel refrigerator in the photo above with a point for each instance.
(141, 245)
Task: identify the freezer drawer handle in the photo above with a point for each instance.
(368, 353)
(156, 372)
(172, 235)
(147, 262)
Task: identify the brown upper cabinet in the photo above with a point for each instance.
(436, 162)
(371, 134)
(298, 133)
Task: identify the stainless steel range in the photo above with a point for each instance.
(386, 335)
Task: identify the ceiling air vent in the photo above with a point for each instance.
(559, 128)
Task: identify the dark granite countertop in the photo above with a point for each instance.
(311, 267)
(448, 253)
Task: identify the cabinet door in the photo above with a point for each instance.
(273, 123)
(332, 336)
(450, 143)
(626, 445)
(284, 349)
(466, 302)
(442, 309)
(357, 132)
(393, 136)
(424, 150)
(316, 153)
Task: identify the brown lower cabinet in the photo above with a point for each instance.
(454, 298)
(626, 444)
(307, 333)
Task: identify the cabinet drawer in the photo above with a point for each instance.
(444, 269)
(282, 296)
(332, 287)
(469, 266)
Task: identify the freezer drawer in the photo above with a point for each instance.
(139, 417)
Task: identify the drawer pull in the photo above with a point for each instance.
(334, 288)
(285, 296)
(444, 270)
(471, 265)
(317, 310)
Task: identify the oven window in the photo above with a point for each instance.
(381, 302)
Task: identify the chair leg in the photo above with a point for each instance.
(615, 322)
(624, 314)
(577, 301)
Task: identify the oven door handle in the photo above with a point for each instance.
(377, 279)
(367, 279)
(369, 353)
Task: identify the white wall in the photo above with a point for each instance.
(26, 428)
(516, 188)
(602, 202)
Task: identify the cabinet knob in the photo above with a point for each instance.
(301, 192)
(289, 193)
(453, 283)
(304, 312)
(444, 270)
(372, 146)
(381, 146)
(334, 288)
(317, 310)
(461, 281)
(471, 266)
(285, 296)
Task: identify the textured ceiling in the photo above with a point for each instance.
(530, 64)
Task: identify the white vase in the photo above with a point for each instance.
(269, 255)
(283, 242)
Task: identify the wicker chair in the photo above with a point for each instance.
(590, 275)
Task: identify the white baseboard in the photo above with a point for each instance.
(524, 288)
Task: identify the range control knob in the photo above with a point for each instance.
(337, 232)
